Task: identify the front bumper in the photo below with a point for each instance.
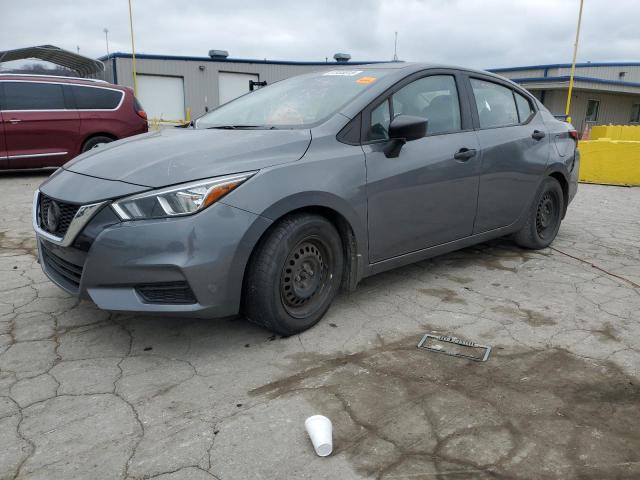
(112, 262)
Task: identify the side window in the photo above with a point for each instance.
(91, 98)
(33, 96)
(434, 98)
(525, 110)
(380, 119)
(495, 103)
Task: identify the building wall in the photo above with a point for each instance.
(632, 72)
(614, 108)
(201, 86)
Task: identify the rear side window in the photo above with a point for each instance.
(92, 98)
(525, 110)
(495, 103)
(32, 96)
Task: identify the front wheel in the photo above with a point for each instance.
(544, 217)
(294, 274)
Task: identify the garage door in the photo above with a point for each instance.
(232, 85)
(162, 97)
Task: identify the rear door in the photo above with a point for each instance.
(515, 151)
(96, 107)
(40, 130)
(425, 196)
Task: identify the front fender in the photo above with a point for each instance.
(331, 175)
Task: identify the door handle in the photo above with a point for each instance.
(13, 121)
(464, 154)
(538, 135)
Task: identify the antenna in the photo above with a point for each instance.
(395, 48)
(106, 37)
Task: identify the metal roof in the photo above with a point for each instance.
(566, 65)
(81, 64)
(149, 56)
(577, 78)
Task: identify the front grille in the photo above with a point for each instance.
(167, 293)
(69, 272)
(64, 213)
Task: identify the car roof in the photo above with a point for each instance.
(59, 79)
(410, 67)
(397, 71)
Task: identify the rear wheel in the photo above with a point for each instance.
(544, 217)
(95, 142)
(294, 274)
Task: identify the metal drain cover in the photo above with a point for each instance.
(455, 347)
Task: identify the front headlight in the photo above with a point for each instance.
(178, 200)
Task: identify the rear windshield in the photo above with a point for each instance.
(296, 102)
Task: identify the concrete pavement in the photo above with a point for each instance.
(88, 394)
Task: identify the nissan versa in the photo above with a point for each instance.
(273, 202)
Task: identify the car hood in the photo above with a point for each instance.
(173, 155)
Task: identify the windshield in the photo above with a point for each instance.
(295, 102)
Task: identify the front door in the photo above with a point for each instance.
(39, 129)
(425, 196)
(515, 152)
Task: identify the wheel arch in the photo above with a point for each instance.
(97, 134)
(344, 219)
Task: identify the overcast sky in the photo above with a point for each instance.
(474, 33)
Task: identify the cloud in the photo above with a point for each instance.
(475, 33)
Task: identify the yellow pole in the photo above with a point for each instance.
(573, 64)
(133, 52)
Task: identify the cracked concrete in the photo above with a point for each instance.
(88, 394)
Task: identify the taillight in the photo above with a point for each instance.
(573, 134)
(138, 109)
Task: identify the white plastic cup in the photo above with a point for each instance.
(320, 430)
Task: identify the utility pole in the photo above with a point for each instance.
(395, 48)
(106, 37)
(573, 64)
(133, 52)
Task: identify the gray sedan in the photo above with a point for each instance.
(272, 203)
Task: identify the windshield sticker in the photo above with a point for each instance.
(343, 73)
(366, 80)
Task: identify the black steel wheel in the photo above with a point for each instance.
(294, 274)
(544, 217)
(547, 215)
(305, 276)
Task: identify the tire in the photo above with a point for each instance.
(94, 142)
(294, 274)
(544, 217)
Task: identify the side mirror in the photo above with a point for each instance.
(403, 129)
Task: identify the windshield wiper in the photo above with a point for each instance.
(239, 127)
(232, 127)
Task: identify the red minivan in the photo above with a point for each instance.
(46, 121)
